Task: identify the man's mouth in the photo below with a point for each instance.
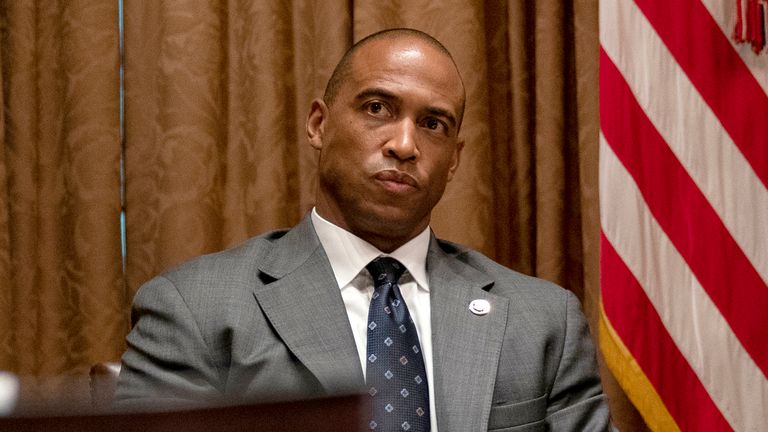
(396, 181)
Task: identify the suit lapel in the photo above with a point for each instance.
(466, 346)
(304, 305)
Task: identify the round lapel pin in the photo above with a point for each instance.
(480, 307)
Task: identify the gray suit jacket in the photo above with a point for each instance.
(266, 320)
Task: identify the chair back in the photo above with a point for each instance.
(103, 380)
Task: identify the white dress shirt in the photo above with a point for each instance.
(348, 255)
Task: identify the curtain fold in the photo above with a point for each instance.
(216, 100)
(174, 133)
(63, 299)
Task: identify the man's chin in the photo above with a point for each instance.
(397, 222)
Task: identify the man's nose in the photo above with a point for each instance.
(402, 145)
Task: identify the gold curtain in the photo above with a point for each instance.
(216, 95)
(216, 99)
(62, 292)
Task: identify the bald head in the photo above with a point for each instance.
(343, 69)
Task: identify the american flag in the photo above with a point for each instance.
(684, 210)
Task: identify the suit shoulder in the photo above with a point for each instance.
(506, 280)
(249, 251)
(232, 268)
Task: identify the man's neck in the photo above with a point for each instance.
(348, 253)
(384, 240)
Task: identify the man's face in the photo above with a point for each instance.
(389, 141)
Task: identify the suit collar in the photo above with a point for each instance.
(466, 346)
(303, 303)
(291, 250)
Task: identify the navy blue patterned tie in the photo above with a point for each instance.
(395, 373)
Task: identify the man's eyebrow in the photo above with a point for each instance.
(376, 92)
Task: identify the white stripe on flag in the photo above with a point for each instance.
(737, 386)
(690, 128)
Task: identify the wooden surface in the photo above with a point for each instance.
(318, 415)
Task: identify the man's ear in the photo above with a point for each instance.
(456, 159)
(318, 115)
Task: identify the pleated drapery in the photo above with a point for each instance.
(63, 300)
(215, 96)
(216, 100)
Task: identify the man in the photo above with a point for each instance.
(287, 314)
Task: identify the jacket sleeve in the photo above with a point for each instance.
(576, 400)
(167, 362)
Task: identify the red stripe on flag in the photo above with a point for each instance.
(634, 318)
(716, 70)
(684, 214)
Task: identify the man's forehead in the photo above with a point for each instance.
(407, 59)
(402, 47)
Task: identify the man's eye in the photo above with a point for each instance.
(434, 124)
(375, 107)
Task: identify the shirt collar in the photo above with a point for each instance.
(349, 254)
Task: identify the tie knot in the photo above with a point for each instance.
(385, 270)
